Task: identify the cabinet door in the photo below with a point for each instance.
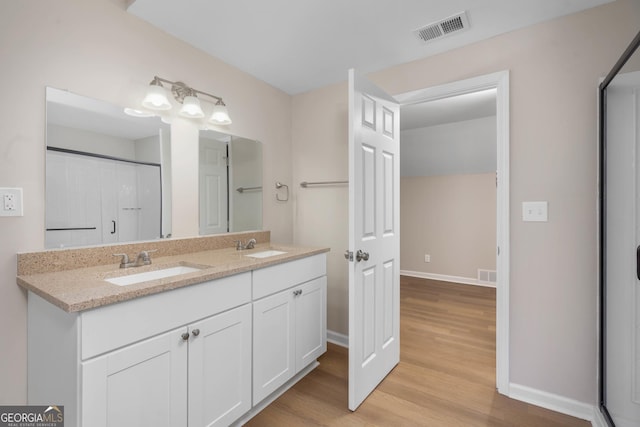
(144, 384)
(273, 343)
(311, 321)
(220, 368)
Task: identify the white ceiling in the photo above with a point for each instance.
(459, 108)
(300, 45)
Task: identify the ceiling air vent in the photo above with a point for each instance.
(450, 25)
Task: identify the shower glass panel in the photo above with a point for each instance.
(620, 241)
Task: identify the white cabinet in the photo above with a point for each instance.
(201, 355)
(144, 384)
(220, 368)
(273, 343)
(129, 361)
(311, 321)
(289, 327)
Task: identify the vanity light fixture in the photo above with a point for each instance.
(156, 99)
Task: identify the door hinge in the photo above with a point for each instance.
(348, 255)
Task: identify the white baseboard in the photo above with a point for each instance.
(555, 403)
(338, 339)
(598, 419)
(446, 278)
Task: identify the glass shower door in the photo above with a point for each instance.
(620, 262)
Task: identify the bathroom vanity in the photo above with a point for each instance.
(210, 346)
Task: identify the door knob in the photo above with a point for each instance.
(362, 256)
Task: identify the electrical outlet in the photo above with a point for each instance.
(11, 202)
(427, 258)
(534, 211)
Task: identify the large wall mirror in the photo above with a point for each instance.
(620, 241)
(108, 176)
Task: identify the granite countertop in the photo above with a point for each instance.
(85, 288)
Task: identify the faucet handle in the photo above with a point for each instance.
(145, 255)
(124, 261)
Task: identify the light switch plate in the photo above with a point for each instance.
(11, 202)
(534, 211)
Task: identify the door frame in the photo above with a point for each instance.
(499, 81)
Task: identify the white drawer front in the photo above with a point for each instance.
(269, 280)
(113, 326)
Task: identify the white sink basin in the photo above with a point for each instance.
(132, 279)
(266, 254)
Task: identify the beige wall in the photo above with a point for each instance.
(453, 219)
(95, 48)
(554, 71)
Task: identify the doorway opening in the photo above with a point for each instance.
(493, 84)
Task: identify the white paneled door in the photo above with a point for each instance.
(374, 237)
(213, 187)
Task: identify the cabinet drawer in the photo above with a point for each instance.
(269, 280)
(106, 328)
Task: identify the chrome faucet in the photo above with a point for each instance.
(250, 244)
(143, 258)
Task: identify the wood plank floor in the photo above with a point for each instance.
(446, 374)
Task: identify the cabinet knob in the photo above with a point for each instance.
(195, 332)
(297, 292)
(185, 336)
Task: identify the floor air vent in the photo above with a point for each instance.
(450, 25)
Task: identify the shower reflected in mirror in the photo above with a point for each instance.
(107, 177)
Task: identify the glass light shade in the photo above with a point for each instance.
(191, 108)
(220, 115)
(156, 98)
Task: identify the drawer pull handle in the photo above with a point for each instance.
(185, 336)
(195, 332)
